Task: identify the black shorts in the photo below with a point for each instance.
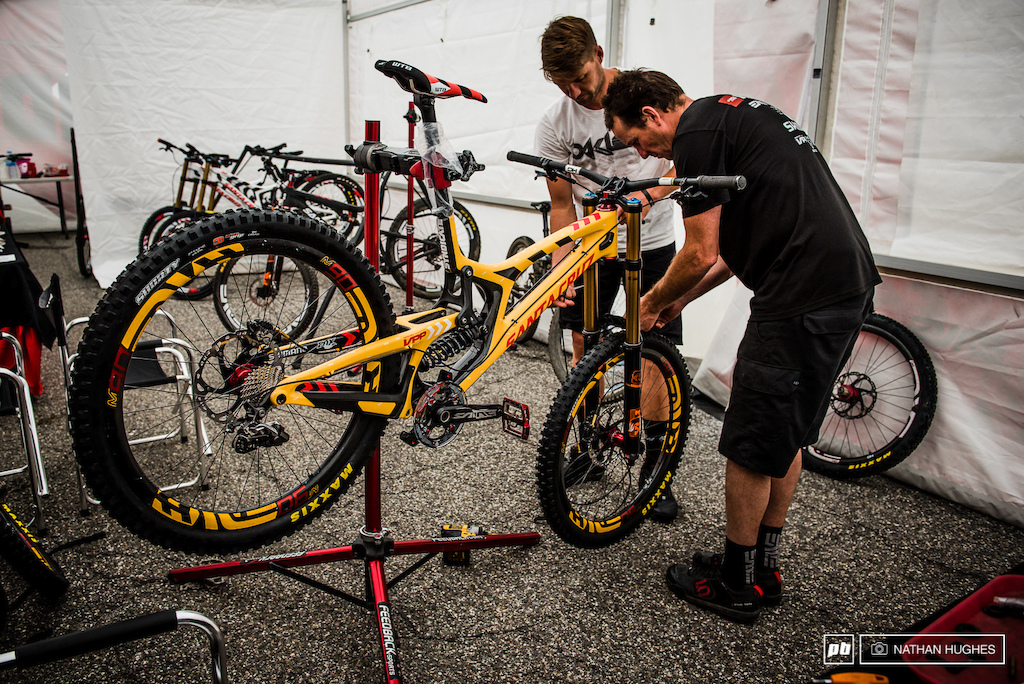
(610, 275)
(783, 380)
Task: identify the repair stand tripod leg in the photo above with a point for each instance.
(374, 546)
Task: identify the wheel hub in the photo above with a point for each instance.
(854, 395)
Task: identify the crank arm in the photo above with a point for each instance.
(515, 417)
(468, 413)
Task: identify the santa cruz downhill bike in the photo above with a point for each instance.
(279, 427)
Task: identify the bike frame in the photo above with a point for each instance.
(597, 239)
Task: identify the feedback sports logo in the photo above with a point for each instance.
(955, 649)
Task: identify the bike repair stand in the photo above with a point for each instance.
(374, 544)
(410, 228)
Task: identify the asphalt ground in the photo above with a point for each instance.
(865, 556)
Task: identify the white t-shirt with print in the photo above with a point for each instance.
(572, 134)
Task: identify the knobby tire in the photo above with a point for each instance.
(591, 493)
(217, 475)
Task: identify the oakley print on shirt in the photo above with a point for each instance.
(608, 145)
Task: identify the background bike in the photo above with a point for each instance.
(881, 406)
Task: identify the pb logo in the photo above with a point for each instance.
(837, 649)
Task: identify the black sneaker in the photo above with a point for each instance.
(581, 468)
(701, 584)
(770, 583)
(666, 510)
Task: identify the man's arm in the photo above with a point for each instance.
(696, 269)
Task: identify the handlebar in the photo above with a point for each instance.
(16, 155)
(622, 186)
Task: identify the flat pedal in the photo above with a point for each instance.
(459, 558)
(515, 419)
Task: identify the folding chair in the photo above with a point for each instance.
(148, 368)
(22, 401)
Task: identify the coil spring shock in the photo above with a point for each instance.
(450, 344)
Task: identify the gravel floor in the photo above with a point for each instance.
(866, 556)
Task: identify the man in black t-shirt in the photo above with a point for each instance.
(792, 238)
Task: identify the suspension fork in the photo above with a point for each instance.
(633, 340)
(185, 164)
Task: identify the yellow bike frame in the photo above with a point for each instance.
(596, 237)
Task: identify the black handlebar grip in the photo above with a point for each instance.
(717, 182)
(530, 159)
(71, 645)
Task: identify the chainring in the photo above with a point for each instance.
(427, 426)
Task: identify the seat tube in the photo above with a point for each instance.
(632, 346)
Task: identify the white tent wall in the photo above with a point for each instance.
(219, 75)
(35, 111)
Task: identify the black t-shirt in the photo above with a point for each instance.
(791, 235)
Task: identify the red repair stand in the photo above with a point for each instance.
(374, 545)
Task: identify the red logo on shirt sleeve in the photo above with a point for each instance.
(731, 100)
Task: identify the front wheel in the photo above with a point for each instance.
(593, 493)
(427, 261)
(171, 415)
(274, 288)
(881, 405)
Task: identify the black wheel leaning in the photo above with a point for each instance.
(83, 250)
(591, 493)
(427, 266)
(340, 188)
(22, 550)
(171, 415)
(525, 283)
(559, 346)
(881, 406)
(272, 288)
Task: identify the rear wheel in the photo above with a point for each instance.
(200, 286)
(881, 406)
(428, 264)
(171, 416)
(593, 493)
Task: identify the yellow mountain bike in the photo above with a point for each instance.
(208, 439)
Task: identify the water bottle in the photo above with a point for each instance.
(12, 166)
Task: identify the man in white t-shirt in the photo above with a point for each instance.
(573, 131)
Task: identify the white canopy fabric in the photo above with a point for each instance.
(218, 75)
